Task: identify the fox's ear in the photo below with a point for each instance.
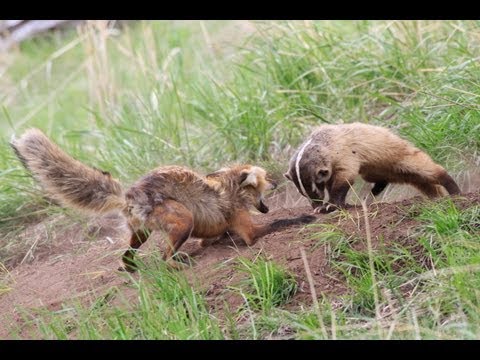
(287, 175)
(248, 178)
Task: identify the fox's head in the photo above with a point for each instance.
(309, 170)
(250, 182)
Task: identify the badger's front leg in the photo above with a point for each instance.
(337, 187)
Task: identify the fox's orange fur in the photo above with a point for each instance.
(174, 199)
(334, 155)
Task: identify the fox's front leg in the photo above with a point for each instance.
(243, 226)
(137, 238)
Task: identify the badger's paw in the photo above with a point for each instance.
(325, 209)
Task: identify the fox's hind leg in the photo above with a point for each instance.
(137, 239)
(177, 221)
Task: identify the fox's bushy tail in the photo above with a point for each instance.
(65, 179)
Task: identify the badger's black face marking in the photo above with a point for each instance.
(312, 165)
(315, 191)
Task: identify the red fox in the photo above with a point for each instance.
(334, 155)
(170, 198)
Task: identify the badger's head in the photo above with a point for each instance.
(309, 170)
(249, 182)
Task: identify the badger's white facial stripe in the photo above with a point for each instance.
(297, 168)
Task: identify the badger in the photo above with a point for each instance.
(335, 154)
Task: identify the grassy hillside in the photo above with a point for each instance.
(207, 93)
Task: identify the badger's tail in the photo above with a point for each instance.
(65, 179)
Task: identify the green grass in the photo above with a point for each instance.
(171, 92)
(166, 306)
(427, 288)
(267, 285)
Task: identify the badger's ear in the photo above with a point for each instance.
(248, 177)
(287, 175)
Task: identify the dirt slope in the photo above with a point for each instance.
(80, 262)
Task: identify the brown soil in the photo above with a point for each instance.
(80, 260)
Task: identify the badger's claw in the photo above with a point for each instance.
(325, 209)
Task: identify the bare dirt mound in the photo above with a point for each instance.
(80, 261)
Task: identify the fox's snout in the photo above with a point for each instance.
(262, 207)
